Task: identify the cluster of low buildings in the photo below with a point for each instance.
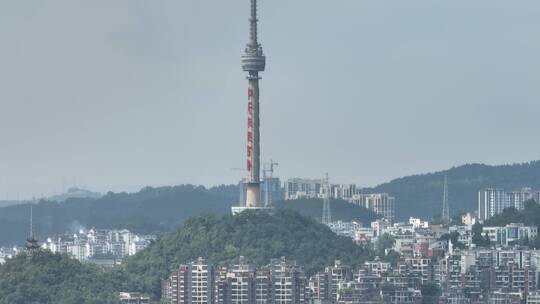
(8, 253)
(99, 245)
(133, 298)
(483, 276)
(500, 274)
(489, 276)
(420, 233)
(505, 271)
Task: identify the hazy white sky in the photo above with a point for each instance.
(121, 94)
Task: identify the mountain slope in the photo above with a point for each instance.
(151, 210)
(340, 210)
(421, 195)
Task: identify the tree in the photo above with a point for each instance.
(478, 239)
(47, 278)
(430, 293)
(384, 242)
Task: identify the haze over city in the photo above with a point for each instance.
(120, 95)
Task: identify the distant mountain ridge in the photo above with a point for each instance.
(156, 210)
(421, 195)
(151, 210)
(74, 193)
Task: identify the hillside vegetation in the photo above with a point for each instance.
(530, 216)
(56, 279)
(47, 278)
(151, 210)
(421, 195)
(257, 236)
(340, 209)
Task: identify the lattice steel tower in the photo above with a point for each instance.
(327, 213)
(253, 62)
(32, 244)
(445, 207)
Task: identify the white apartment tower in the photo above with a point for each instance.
(201, 281)
(491, 201)
(380, 203)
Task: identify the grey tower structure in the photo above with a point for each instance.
(253, 62)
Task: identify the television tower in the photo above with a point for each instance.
(327, 214)
(253, 62)
(445, 208)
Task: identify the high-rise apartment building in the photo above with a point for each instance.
(380, 203)
(493, 201)
(297, 188)
(289, 283)
(190, 284)
(201, 281)
(280, 282)
(517, 198)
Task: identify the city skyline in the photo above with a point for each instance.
(122, 98)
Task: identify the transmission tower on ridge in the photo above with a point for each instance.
(327, 214)
(32, 244)
(445, 208)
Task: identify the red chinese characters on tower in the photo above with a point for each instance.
(250, 131)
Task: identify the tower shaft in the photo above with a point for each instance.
(253, 144)
(253, 62)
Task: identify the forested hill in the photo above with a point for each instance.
(258, 236)
(421, 195)
(152, 210)
(47, 278)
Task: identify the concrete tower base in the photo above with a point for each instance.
(237, 210)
